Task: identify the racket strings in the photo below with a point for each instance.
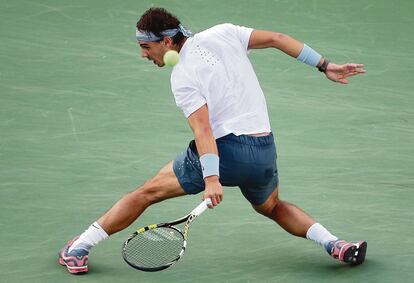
(155, 247)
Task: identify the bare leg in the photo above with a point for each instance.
(288, 216)
(163, 186)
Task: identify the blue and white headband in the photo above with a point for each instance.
(149, 36)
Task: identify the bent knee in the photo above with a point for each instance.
(149, 193)
(157, 189)
(269, 208)
(268, 211)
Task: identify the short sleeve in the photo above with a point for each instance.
(242, 33)
(187, 94)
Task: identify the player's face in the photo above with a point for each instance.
(153, 51)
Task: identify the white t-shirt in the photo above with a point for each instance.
(214, 69)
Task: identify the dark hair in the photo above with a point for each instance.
(156, 20)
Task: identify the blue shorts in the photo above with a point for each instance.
(245, 161)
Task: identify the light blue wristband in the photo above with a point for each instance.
(210, 164)
(309, 56)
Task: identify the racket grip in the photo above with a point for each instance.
(201, 207)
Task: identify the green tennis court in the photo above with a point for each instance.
(83, 120)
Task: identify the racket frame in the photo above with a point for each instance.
(188, 219)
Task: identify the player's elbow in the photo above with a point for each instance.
(278, 39)
(203, 132)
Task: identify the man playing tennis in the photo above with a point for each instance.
(217, 89)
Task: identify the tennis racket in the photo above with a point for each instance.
(158, 246)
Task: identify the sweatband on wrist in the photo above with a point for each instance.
(309, 56)
(324, 66)
(210, 164)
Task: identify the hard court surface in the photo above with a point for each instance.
(83, 120)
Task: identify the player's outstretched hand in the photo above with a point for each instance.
(339, 73)
(213, 190)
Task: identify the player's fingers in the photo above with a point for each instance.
(214, 200)
(221, 197)
(359, 70)
(210, 204)
(209, 200)
(355, 68)
(350, 74)
(357, 65)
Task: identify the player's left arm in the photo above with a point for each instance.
(260, 39)
(206, 145)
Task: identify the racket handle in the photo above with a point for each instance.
(201, 207)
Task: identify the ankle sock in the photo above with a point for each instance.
(90, 238)
(320, 235)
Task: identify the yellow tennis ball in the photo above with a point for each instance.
(171, 58)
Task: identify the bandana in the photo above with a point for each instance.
(143, 35)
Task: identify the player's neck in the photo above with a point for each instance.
(181, 44)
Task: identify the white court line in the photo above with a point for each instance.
(72, 120)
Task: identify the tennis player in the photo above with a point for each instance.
(217, 89)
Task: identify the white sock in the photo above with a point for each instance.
(91, 237)
(320, 235)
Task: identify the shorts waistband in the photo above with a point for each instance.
(249, 140)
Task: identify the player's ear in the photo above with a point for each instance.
(168, 42)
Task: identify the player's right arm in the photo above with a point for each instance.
(206, 144)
